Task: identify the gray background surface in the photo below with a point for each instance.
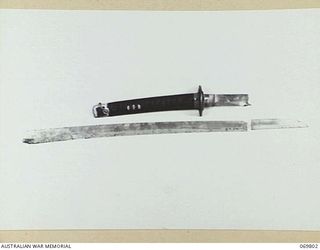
(56, 66)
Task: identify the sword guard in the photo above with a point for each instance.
(200, 100)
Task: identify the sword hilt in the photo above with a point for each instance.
(152, 104)
(197, 101)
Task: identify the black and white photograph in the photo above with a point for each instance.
(160, 120)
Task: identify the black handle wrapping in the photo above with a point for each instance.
(152, 104)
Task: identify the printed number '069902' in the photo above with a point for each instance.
(309, 246)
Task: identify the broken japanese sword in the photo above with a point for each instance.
(147, 128)
(196, 101)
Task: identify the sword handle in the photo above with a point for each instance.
(151, 104)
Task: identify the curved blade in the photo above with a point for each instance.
(125, 129)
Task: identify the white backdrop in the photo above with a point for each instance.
(55, 65)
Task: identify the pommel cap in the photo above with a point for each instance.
(100, 110)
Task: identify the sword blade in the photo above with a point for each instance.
(147, 128)
(212, 100)
(126, 129)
